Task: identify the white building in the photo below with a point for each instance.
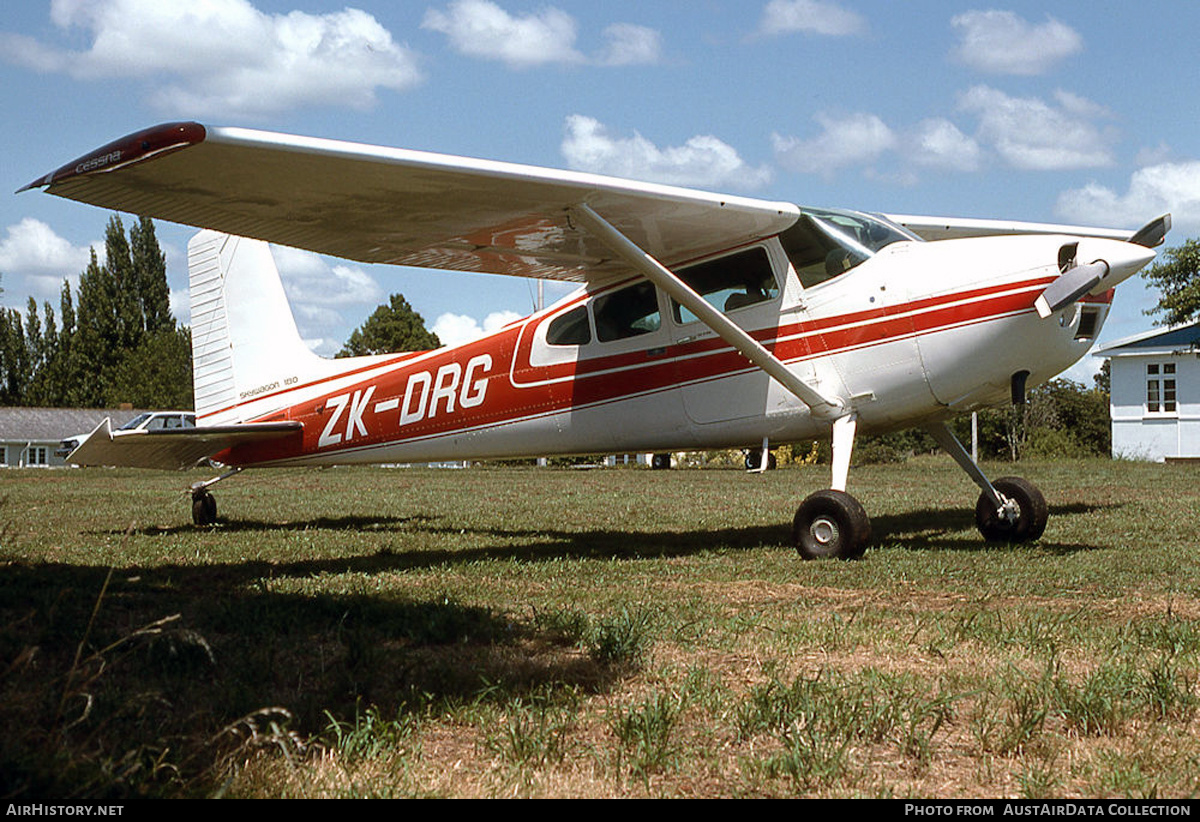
(1156, 393)
(32, 437)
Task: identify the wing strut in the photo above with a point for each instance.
(750, 348)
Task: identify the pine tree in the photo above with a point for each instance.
(117, 341)
(150, 270)
(124, 285)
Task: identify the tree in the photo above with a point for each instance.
(393, 327)
(117, 341)
(150, 272)
(156, 374)
(1177, 277)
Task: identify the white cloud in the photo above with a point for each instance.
(1034, 135)
(180, 300)
(703, 160)
(456, 329)
(480, 28)
(938, 143)
(40, 260)
(1154, 190)
(1000, 42)
(811, 16)
(225, 56)
(309, 278)
(627, 45)
(319, 293)
(850, 140)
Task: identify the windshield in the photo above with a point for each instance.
(825, 243)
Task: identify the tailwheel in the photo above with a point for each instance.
(831, 524)
(1023, 517)
(204, 508)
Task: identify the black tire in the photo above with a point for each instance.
(660, 462)
(831, 524)
(204, 509)
(1031, 521)
(753, 460)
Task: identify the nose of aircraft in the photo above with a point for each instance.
(1091, 266)
(1123, 259)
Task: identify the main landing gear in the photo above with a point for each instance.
(832, 524)
(204, 505)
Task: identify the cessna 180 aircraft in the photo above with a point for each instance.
(701, 320)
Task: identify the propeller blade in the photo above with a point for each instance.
(1152, 233)
(1068, 288)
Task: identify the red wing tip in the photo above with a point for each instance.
(132, 148)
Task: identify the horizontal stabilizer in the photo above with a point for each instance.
(175, 448)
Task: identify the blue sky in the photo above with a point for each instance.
(1080, 112)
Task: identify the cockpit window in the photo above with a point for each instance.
(730, 282)
(627, 313)
(823, 244)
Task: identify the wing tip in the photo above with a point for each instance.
(124, 151)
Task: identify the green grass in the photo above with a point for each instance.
(563, 632)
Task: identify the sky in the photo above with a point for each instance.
(1076, 112)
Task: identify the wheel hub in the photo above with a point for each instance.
(824, 530)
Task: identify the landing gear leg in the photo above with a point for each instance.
(1011, 509)
(204, 505)
(831, 523)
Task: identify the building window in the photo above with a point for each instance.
(37, 455)
(1160, 388)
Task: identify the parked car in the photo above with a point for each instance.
(150, 421)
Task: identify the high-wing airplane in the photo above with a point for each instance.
(701, 320)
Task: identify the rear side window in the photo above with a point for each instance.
(570, 329)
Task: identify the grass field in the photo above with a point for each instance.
(619, 632)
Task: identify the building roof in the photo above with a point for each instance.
(1156, 340)
(55, 424)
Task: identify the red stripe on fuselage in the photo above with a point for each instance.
(517, 389)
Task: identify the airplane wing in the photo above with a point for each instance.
(952, 228)
(388, 205)
(173, 448)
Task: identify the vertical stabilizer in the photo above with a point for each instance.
(244, 336)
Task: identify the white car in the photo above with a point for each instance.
(149, 421)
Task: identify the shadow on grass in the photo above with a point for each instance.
(954, 529)
(924, 529)
(137, 697)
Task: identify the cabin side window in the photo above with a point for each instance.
(570, 329)
(627, 313)
(730, 282)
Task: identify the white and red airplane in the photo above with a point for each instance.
(701, 321)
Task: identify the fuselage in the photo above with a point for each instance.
(904, 331)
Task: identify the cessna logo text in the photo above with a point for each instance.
(99, 161)
(426, 395)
